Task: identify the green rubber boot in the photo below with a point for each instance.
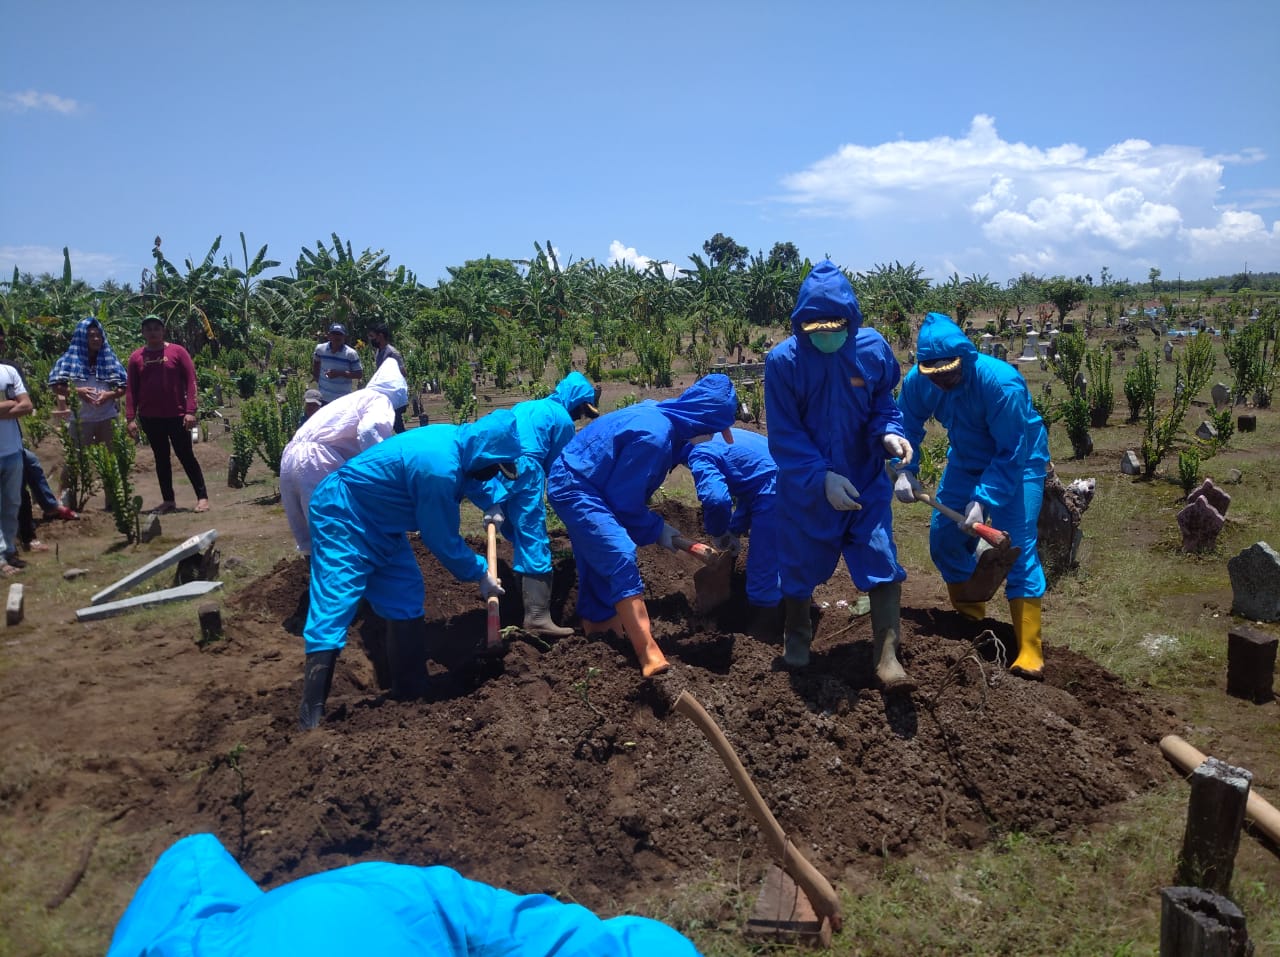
(797, 633)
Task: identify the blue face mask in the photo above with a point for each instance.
(829, 341)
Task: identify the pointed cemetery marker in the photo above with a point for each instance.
(194, 544)
(162, 597)
(13, 608)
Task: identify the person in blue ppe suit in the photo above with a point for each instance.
(600, 487)
(736, 484)
(359, 516)
(832, 422)
(545, 427)
(996, 466)
(198, 902)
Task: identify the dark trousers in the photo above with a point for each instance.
(33, 478)
(163, 433)
(398, 425)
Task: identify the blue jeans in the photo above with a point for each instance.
(10, 501)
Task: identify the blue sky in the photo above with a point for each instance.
(980, 138)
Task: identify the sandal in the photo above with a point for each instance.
(35, 545)
(7, 570)
(202, 505)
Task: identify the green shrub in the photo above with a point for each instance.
(1188, 469)
(1101, 397)
(114, 467)
(79, 479)
(1140, 385)
(247, 384)
(242, 448)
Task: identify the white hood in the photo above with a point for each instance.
(390, 383)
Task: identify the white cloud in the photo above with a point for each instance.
(1057, 209)
(34, 100)
(91, 267)
(618, 253)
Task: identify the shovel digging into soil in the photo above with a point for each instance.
(711, 582)
(493, 645)
(996, 554)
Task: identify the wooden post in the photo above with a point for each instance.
(1215, 816)
(1251, 663)
(210, 623)
(233, 476)
(1197, 923)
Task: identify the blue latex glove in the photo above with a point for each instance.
(841, 492)
(668, 537)
(907, 488)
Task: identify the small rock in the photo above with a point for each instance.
(1235, 476)
(1130, 464)
(73, 573)
(1206, 431)
(150, 528)
(14, 608)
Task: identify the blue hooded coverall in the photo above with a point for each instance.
(198, 902)
(830, 412)
(361, 512)
(744, 473)
(998, 453)
(545, 427)
(600, 485)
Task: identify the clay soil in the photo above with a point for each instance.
(555, 768)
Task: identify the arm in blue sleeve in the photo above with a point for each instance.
(885, 418)
(789, 441)
(713, 492)
(438, 521)
(640, 462)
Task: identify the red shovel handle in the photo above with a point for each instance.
(704, 553)
(992, 536)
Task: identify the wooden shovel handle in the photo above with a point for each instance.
(819, 891)
(992, 536)
(493, 633)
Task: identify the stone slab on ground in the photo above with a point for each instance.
(162, 597)
(14, 607)
(193, 545)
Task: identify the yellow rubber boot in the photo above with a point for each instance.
(1026, 625)
(977, 610)
(635, 622)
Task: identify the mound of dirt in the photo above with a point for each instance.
(559, 769)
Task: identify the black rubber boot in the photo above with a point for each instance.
(407, 654)
(537, 611)
(296, 623)
(317, 676)
(797, 633)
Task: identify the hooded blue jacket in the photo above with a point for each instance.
(601, 484)
(736, 485)
(545, 427)
(360, 513)
(997, 455)
(830, 412)
(198, 902)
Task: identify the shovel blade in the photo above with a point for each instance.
(991, 571)
(711, 584)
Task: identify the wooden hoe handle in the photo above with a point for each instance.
(1257, 809)
(819, 891)
(493, 633)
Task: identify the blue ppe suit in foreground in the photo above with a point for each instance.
(736, 485)
(600, 485)
(361, 512)
(998, 453)
(830, 412)
(545, 427)
(197, 902)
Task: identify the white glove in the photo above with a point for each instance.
(668, 537)
(907, 488)
(898, 448)
(494, 516)
(490, 587)
(841, 493)
(972, 515)
(728, 542)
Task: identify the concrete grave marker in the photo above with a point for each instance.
(193, 545)
(1221, 395)
(13, 610)
(1130, 464)
(162, 597)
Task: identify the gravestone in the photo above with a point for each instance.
(1221, 395)
(1058, 533)
(1130, 464)
(1000, 351)
(1235, 476)
(1247, 423)
(1200, 524)
(1207, 431)
(1168, 351)
(1251, 664)
(1215, 496)
(150, 528)
(1031, 347)
(1255, 583)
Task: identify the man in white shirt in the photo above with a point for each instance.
(14, 404)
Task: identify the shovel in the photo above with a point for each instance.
(493, 631)
(711, 582)
(996, 554)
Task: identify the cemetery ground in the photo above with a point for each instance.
(985, 815)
